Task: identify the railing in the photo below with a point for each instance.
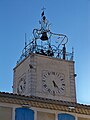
(47, 50)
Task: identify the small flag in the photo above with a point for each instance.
(42, 13)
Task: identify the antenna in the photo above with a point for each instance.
(25, 44)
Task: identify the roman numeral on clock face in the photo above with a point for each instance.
(53, 82)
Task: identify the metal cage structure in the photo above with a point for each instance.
(47, 43)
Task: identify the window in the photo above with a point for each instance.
(65, 117)
(24, 114)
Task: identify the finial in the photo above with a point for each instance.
(43, 8)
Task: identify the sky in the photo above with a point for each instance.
(70, 17)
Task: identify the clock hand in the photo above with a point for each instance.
(55, 85)
(21, 87)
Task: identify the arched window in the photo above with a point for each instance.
(24, 114)
(64, 116)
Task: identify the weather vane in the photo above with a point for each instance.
(45, 42)
(43, 8)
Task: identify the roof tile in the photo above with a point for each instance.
(44, 103)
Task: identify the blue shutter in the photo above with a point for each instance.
(65, 117)
(24, 114)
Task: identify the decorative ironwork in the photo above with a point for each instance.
(42, 42)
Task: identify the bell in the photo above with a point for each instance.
(44, 36)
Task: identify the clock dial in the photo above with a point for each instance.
(21, 85)
(53, 82)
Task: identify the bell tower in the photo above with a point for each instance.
(45, 68)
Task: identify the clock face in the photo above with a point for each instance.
(21, 85)
(53, 82)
